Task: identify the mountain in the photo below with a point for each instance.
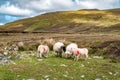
(79, 21)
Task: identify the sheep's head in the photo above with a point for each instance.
(64, 48)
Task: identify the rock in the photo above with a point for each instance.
(5, 60)
(82, 65)
(40, 59)
(31, 79)
(47, 76)
(82, 76)
(65, 75)
(97, 79)
(63, 65)
(98, 57)
(110, 73)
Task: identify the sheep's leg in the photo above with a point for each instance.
(86, 56)
(40, 55)
(46, 55)
(56, 53)
(66, 55)
(77, 57)
(60, 54)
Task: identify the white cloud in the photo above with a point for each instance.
(50, 5)
(99, 4)
(32, 7)
(14, 10)
(88, 5)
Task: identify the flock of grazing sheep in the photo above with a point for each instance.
(71, 50)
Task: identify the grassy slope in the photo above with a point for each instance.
(70, 21)
(31, 68)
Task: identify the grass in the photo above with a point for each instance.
(38, 25)
(80, 21)
(54, 68)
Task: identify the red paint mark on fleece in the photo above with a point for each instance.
(44, 49)
(77, 52)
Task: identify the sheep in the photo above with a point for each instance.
(70, 49)
(82, 52)
(58, 48)
(42, 50)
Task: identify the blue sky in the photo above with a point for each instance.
(11, 10)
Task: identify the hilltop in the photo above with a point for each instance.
(79, 21)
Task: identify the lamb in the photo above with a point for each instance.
(58, 48)
(42, 50)
(80, 51)
(70, 49)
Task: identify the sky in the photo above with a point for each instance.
(11, 10)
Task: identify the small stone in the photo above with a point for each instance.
(97, 79)
(82, 76)
(65, 75)
(71, 77)
(31, 79)
(5, 60)
(63, 65)
(98, 57)
(47, 79)
(46, 76)
(103, 76)
(40, 59)
(110, 73)
(82, 65)
(18, 75)
(88, 62)
(54, 65)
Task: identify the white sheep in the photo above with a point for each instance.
(80, 52)
(70, 49)
(58, 48)
(42, 50)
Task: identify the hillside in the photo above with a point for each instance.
(80, 21)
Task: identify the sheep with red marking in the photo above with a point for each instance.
(70, 49)
(80, 52)
(58, 48)
(42, 50)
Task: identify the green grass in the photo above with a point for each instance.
(80, 21)
(56, 68)
(39, 25)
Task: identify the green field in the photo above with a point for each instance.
(55, 68)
